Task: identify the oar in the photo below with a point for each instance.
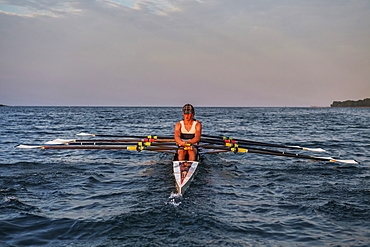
(115, 143)
(64, 141)
(125, 136)
(233, 145)
(230, 145)
(232, 140)
(136, 148)
(214, 151)
(276, 153)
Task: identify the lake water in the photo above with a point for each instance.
(122, 198)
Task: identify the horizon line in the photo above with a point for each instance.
(169, 106)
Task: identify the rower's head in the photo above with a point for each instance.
(188, 112)
(188, 109)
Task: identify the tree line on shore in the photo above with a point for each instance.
(352, 103)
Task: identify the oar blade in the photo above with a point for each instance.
(339, 161)
(315, 150)
(85, 134)
(309, 149)
(347, 161)
(27, 146)
(59, 141)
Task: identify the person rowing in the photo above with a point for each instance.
(187, 132)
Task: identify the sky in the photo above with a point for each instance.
(247, 53)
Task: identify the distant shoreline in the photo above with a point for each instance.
(156, 106)
(352, 103)
(97, 106)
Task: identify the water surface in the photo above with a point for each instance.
(121, 198)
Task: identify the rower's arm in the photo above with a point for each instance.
(177, 135)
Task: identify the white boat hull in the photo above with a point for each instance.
(184, 172)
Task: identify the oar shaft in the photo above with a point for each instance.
(65, 141)
(138, 148)
(216, 151)
(126, 140)
(165, 151)
(99, 143)
(118, 143)
(243, 142)
(218, 139)
(126, 136)
(231, 145)
(267, 152)
(80, 147)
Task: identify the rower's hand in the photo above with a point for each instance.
(182, 144)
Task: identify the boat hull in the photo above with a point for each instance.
(184, 172)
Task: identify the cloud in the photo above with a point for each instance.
(242, 53)
(33, 8)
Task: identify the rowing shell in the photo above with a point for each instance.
(184, 172)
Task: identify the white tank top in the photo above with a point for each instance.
(185, 131)
(185, 134)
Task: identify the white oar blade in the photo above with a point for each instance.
(310, 149)
(59, 141)
(85, 134)
(340, 161)
(315, 149)
(27, 146)
(347, 161)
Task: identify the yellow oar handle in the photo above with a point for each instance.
(188, 146)
(239, 150)
(144, 143)
(227, 138)
(133, 148)
(231, 145)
